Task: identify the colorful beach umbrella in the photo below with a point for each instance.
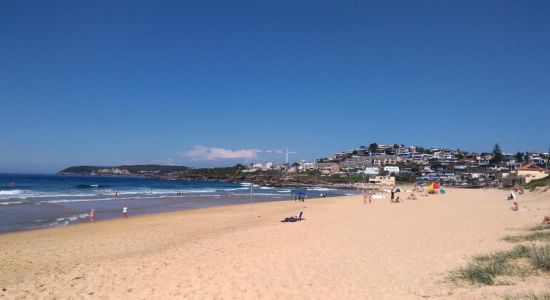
(434, 186)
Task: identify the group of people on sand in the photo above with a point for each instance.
(394, 194)
(92, 213)
(367, 195)
(300, 197)
(514, 195)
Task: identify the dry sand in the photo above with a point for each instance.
(343, 250)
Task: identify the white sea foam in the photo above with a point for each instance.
(320, 189)
(235, 189)
(284, 191)
(198, 191)
(66, 220)
(32, 195)
(76, 200)
(12, 192)
(11, 203)
(136, 197)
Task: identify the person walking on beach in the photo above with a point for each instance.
(92, 215)
(392, 194)
(365, 197)
(125, 212)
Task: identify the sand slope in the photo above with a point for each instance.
(344, 249)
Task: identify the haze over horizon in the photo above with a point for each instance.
(215, 83)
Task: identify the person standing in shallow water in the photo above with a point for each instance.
(125, 212)
(92, 215)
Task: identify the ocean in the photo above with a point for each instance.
(38, 201)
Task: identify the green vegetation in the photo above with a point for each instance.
(133, 169)
(533, 184)
(540, 227)
(540, 257)
(216, 172)
(405, 178)
(529, 296)
(373, 147)
(519, 157)
(460, 155)
(485, 268)
(519, 261)
(316, 176)
(535, 236)
(498, 157)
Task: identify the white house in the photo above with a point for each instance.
(392, 169)
(371, 170)
(306, 166)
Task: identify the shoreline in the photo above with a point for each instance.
(343, 249)
(134, 218)
(56, 201)
(145, 214)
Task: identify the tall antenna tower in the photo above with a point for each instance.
(286, 156)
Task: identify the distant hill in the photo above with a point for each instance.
(151, 170)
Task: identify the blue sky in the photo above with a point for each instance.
(203, 83)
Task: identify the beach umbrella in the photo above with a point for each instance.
(434, 186)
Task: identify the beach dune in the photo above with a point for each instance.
(343, 249)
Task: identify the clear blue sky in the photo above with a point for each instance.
(110, 82)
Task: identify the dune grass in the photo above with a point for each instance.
(533, 184)
(484, 269)
(540, 257)
(539, 235)
(528, 296)
(540, 227)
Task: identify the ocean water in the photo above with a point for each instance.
(39, 201)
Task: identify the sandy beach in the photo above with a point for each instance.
(344, 249)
